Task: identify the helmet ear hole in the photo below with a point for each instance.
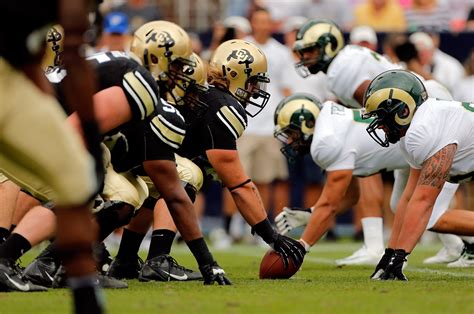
(405, 112)
(154, 59)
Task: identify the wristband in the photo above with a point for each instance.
(265, 230)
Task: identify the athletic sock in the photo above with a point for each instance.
(87, 296)
(200, 251)
(15, 246)
(161, 242)
(373, 234)
(130, 244)
(4, 233)
(227, 221)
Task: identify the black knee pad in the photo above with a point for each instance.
(115, 214)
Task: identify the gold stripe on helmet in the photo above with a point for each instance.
(373, 102)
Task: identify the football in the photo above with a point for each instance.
(272, 266)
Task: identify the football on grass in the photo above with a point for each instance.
(272, 267)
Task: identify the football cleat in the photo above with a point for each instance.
(102, 258)
(362, 256)
(466, 259)
(443, 256)
(106, 282)
(41, 271)
(166, 268)
(10, 279)
(125, 268)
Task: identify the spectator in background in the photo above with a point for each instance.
(259, 150)
(140, 12)
(470, 21)
(428, 15)
(364, 36)
(464, 90)
(444, 68)
(381, 15)
(240, 24)
(281, 10)
(338, 11)
(390, 42)
(115, 35)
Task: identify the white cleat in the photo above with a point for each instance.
(362, 256)
(466, 259)
(443, 256)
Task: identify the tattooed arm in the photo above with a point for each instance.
(432, 177)
(228, 167)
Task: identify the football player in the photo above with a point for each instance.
(237, 75)
(349, 69)
(35, 142)
(335, 137)
(151, 144)
(436, 140)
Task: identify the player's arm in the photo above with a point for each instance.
(228, 167)
(165, 178)
(402, 206)
(335, 188)
(432, 177)
(360, 91)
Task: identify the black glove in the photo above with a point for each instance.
(394, 269)
(379, 269)
(212, 273)
(286, 246)
(289, 249)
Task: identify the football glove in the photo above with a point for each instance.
(213, 273)
(394, 269)
(291, 218)
(289, 249)
(383, 263)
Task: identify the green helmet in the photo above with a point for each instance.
(295, 119)
(391, 99)
(322, 35)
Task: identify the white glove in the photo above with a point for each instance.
(291, 218)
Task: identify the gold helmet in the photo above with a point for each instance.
(194, 80)
(295, 119)
(164, 49)
(245, 67)
(54, 48)
(324, 39)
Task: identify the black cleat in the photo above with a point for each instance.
(165, 268)
(41, 271)
(103, 281)
(102, 257)
(10, 279)
(125, 268)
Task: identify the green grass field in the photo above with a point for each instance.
(319, 287)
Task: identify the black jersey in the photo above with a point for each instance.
(23, 28)
(219, 128)
(116, 68)
(155, 138)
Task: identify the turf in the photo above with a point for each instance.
(319, 287)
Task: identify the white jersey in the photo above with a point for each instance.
(436, 124)
(351, 67)
(341, 142)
